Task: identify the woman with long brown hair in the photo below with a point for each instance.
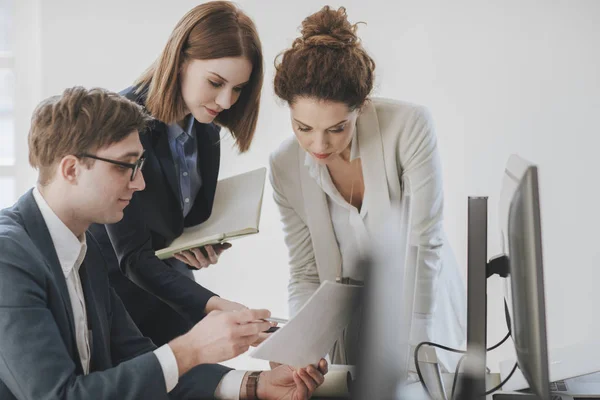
(208, 76)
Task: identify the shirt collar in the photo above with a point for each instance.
(174, 130)
(69, 249)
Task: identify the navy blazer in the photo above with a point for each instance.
(38, 347)
(154, 218)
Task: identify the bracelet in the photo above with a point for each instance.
(252, 385)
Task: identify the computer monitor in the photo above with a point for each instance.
(520, 227)
(521, 236)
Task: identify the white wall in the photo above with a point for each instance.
(499, 78)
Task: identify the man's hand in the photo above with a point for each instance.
(217, 303)
(274, 364)
(288, 383)
(218, 337)
(264, 336)
(202, 257)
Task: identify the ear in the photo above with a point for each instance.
(362, 107)
(69, 169)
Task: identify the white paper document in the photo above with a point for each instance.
(309, 336)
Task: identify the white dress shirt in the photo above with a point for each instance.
(71, 252)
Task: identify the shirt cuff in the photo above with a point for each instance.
(168, 363)
(230, 385)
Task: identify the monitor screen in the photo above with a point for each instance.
(522, 242)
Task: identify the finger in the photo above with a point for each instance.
(178, 257)
(301, 389)
(315, 375)
(323, 366)
(212, 256)
(252, 340)
(250, 315)
(308, 380)
(190, 259)
(261, 338)
(197, 254)
(251, 329)
(222, 247)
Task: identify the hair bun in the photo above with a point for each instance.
(329, 28)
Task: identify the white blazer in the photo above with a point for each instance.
(396, 143)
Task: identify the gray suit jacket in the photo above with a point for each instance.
(38, 350)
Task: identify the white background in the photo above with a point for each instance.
(499, 78)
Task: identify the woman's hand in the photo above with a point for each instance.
(202, 257)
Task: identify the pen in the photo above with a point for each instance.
(277, 320)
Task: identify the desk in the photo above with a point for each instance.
(415, 391)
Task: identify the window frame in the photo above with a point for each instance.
(7, 62)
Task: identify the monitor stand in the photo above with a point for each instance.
(472, 386)
(472, 383)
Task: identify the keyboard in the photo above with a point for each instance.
(558, 386)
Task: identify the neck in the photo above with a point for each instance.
(181, 123)
(55, 197)
(345, 155)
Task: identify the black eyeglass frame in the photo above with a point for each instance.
(135, 167)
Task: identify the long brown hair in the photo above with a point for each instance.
(212, 30)
(327, 62)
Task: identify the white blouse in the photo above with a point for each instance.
(349, 225)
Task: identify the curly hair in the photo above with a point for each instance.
(327, 62)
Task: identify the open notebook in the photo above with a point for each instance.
(236, 213)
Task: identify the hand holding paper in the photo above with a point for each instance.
(312, 332)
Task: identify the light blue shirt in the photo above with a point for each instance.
(184, 149)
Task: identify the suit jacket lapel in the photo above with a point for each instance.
(163, 153)
(377, 196)
(325, 247)
(208, 157)
(38, 231)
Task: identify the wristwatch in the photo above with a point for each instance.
(252, 385)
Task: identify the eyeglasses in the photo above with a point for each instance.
(137, 166)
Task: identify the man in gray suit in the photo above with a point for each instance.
(64, 333)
